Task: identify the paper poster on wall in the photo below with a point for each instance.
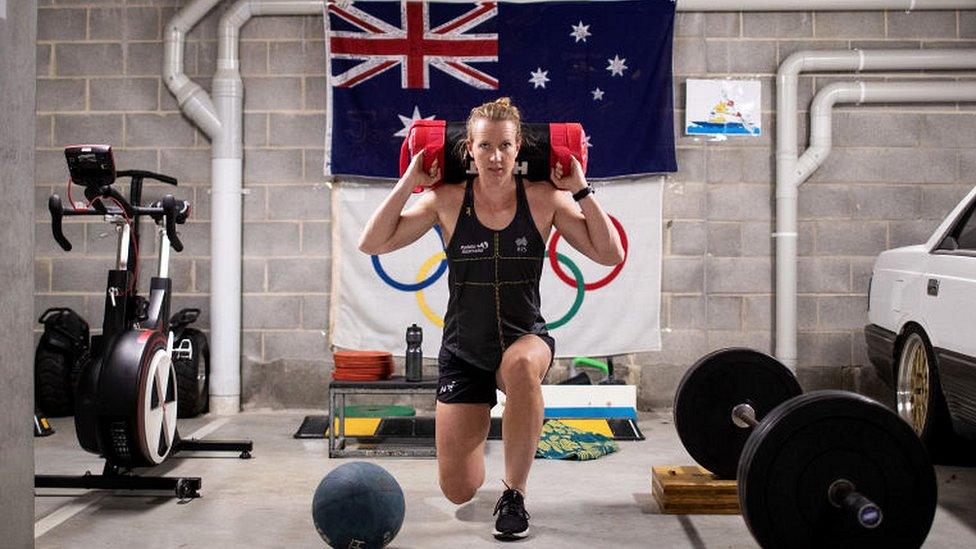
(723, 107)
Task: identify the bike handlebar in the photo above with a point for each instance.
(143, 174)
(171, 211)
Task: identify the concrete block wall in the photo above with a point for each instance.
(98, 80)
(894, 173)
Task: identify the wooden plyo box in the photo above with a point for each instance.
(691, 490)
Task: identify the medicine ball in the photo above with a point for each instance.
(358, 504)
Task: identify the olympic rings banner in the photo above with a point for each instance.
(590, 309)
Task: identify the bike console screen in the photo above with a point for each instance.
(90, 165)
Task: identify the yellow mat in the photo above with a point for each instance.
(358, 426)
(598, 426)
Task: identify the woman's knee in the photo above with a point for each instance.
(459, 492)
(520, 372)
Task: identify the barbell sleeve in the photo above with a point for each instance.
(842, 494)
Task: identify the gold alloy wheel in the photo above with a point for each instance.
(913, 383)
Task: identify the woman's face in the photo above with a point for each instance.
(494, 145)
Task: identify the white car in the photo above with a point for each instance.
(922, 332)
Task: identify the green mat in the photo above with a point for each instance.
(379, 410)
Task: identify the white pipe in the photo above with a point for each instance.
(193, 99)
(225, 224)
(227, 218)
(221, 118)
(870, 92)
(792, 171)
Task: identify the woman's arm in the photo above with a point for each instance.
(584, 224)
(390, 228)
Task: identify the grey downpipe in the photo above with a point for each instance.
(192, 99)
(791, 172)
(870, 92)
(216, 119)
(227, 216)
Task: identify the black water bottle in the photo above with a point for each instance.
(415, 355)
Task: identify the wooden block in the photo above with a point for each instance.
(692, 490)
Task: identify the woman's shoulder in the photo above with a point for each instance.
(542, 196)
(541, 186)
(540, 190)
(448, 194)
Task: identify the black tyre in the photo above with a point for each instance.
(192, 372)
(53, 389)
(86, 398)
(77, 367)
(918, 391)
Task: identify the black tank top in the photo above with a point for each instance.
(494, 283)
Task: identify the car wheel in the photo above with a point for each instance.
(918, 391)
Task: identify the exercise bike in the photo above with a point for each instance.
(127, 400)
(62, 351)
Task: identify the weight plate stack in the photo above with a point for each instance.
(803, 447)
(712, 387)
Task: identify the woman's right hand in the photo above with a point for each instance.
(415, 176)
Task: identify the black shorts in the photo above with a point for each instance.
(460, 382)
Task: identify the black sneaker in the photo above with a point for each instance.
(513, 520)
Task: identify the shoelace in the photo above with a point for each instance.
(511, 502)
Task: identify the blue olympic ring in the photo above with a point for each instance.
(419, 285)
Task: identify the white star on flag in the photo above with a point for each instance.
(616, 66)
(408, 121)
(597, 94)
(539, 78)
(586, 141)
(580, 32)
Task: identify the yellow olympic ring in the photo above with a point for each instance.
(424, 269)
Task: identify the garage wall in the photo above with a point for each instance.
(17, 31)
(895, 171)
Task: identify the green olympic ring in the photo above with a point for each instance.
(580, 292)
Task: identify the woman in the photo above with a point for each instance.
(496, 227)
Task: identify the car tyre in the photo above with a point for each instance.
(918, 391)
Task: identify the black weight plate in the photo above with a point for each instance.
(804, 445)
(712, 387)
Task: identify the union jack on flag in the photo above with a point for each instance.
(414, 46)
(603, 63)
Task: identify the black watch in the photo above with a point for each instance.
(583, 193)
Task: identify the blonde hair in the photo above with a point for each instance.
(497, 110)
(494, 111)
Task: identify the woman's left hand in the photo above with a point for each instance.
(571, 180)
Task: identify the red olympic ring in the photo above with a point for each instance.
(592, 285)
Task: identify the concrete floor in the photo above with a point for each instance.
(265, 501)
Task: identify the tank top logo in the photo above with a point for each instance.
(474, 248)
(522, 245)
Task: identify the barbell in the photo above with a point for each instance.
(821, 469)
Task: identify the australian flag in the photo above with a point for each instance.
(605, 64)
